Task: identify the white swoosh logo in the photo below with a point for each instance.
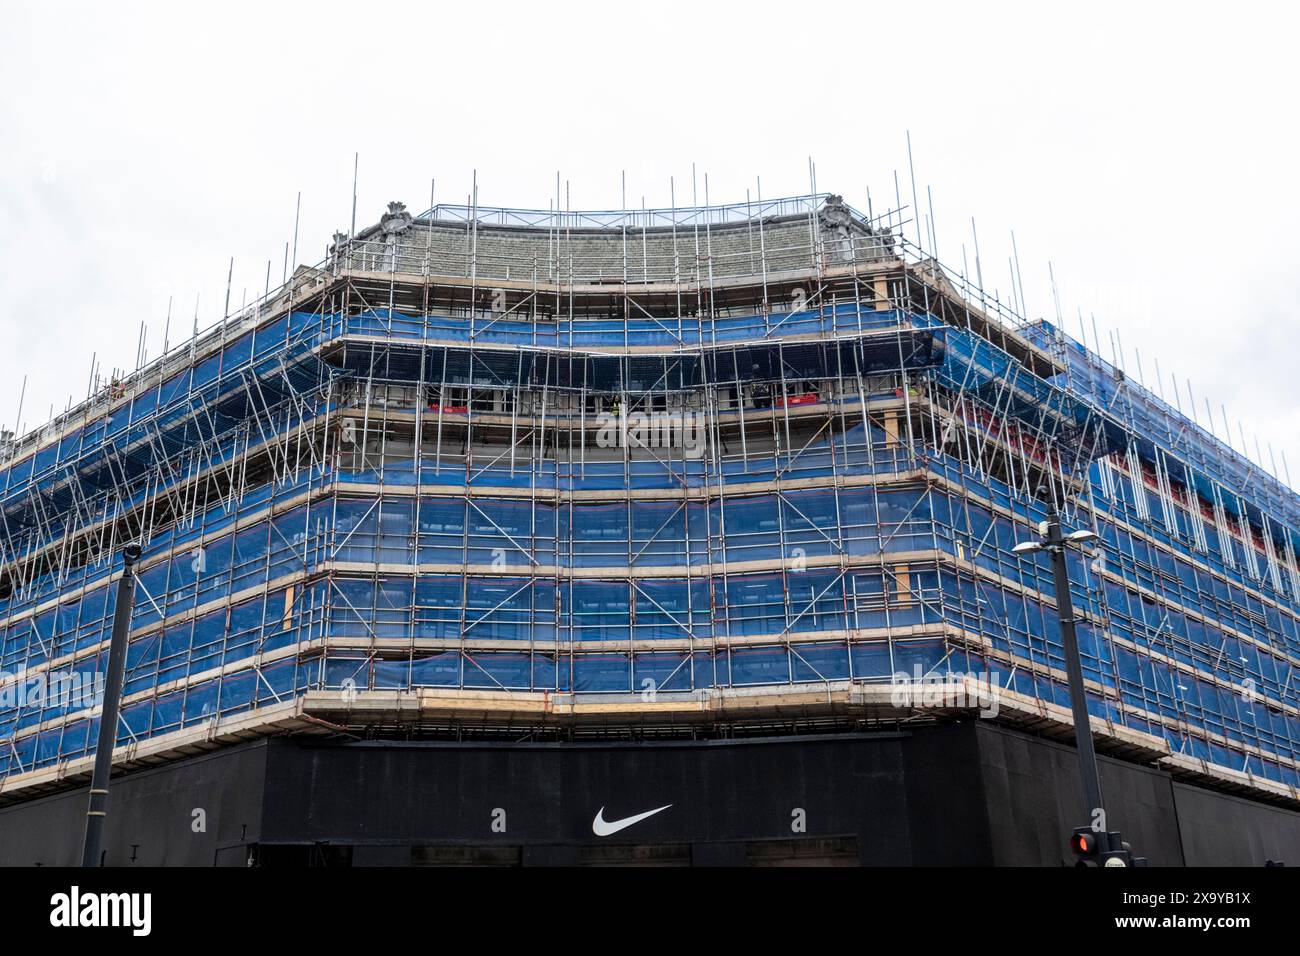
(602, 827)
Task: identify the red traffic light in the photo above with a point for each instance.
(1086, 844)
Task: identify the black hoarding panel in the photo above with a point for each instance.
(961, 794)
(1222, 830)
(1035, 801)
(945, 798)
(653, 794)
(194, 813)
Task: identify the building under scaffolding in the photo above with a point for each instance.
(715, 472)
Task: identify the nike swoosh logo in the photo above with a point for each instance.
(602, 827)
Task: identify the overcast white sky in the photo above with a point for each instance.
(1147, 150)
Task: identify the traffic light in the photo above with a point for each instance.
(1102, 848)
(1086, 844)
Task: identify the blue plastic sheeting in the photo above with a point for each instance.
(522, 534)
(1227, 554)
(562, 332)
(219, 638)
(535, 615)
(642, 672)
(214, 580)
(396, 530)
(1029, 631)
(845, 454)
(162, 417)
(71, 626)
(1153, 421)
(450, 606)
(229, 695)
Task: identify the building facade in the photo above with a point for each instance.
(758, 469)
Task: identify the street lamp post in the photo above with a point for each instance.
(1054, 542)
(97, 809)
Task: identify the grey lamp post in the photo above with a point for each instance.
(97, 809)
(1054, 543)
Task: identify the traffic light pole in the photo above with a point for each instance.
(1054, 542)
(97, 810)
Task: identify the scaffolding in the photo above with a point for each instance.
(686, 471)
